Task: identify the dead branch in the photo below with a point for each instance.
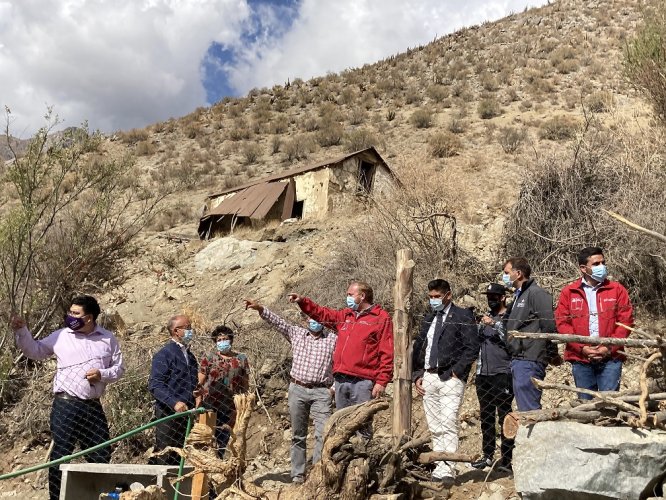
(415, 443)
(601, 395)
(635, 226)
(644, 387)
(516, 418)
(584, 339)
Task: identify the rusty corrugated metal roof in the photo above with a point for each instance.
(300, 170)
(254, 201)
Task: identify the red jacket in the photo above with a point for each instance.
(365, 340)
(572, 316)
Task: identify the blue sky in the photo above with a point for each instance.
(121, 64)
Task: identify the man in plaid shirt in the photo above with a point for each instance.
(311, 379)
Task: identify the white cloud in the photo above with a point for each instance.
(117, 63)
(127, 63)
(334, 35)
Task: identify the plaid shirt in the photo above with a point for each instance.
(313, 356)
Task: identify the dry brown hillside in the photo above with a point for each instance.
(462, 120)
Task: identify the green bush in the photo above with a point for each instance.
(645, 59)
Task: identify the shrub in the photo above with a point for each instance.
(457, 126)
(488, 82)
(133, 136)
(298, 148)
(240, 130)
(359, 139)
(559, 128)
(276, 142)
(599, 102)
(511, 139)
(444, 144)
(357, 115)
(562, 201)
(645, 59)
(329, 134)
(251, 151)
(438, 93)
(390, 115)
(489, 108)
(421, 118)
(145, 148)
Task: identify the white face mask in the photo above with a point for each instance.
(506, 279)
(188, 335)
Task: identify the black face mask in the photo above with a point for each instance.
(494, 304)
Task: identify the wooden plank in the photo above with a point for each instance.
(200, 480)
(402, 347)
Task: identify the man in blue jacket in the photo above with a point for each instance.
(173, 379)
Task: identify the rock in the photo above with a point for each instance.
(554, 460)
(268, 368)
(230, 254)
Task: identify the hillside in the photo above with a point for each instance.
(463, 121)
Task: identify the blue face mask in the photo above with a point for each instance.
(351, 303)
(599, 272)
(315, 326)
(506, 279)
(188, 335)
(224, 345)
(436, 304)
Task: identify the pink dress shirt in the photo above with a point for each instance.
(76, 353)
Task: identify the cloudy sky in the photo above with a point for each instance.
(127, 63)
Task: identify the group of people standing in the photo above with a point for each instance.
(449, 342)
(346, 355)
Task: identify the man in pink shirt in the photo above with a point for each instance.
(88, 358)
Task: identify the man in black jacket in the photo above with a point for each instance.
(531, 311)
(493, 378)
(443, 354)
(173, 379)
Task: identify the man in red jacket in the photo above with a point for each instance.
(592, 306)
(363, 356)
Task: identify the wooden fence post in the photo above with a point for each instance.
(200, 480)
(402, 346)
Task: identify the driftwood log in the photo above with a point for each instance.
(515, 419)
(326, 478)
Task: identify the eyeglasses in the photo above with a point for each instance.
(183, 327)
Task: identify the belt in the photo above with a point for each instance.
(349, 379)
(69, 397)
(314, 385)
(431, 370)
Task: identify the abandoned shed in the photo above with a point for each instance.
(308, 192)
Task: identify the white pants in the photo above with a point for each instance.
(441, 403)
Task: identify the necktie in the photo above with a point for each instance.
(434, 351)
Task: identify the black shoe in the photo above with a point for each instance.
(482, 464)
(504, 467)
(446, 481)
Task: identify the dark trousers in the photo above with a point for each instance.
(495, 393)
(75, 421)
(169, 433)
(527, 396)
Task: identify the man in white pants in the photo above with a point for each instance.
(443, 354)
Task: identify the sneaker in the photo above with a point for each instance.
(482, 464)
(298, 479)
